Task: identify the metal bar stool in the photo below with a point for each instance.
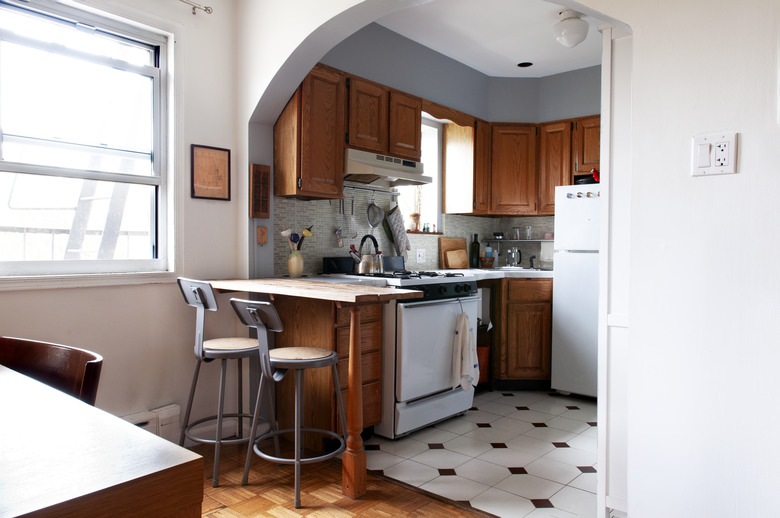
(200, 295)
(274, 365)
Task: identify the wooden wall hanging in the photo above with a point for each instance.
(260, 191)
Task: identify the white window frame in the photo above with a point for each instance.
(44, 274)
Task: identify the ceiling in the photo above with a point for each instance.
(493, 36)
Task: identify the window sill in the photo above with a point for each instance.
(426, 233)
(46, 282)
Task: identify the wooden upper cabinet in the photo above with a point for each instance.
(384, 120)
(405, 134)
(554, 162)
(483, 139)
(513, 189)
(368, 115)
(309, 138)
(586, 145)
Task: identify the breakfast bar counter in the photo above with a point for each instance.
(344, 296)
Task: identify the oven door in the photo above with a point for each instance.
(425, 332)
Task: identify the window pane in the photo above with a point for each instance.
(81, 37)
(46, 218)
(61, 111)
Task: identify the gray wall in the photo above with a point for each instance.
(381, 55)
(386, 57)
(570, 94)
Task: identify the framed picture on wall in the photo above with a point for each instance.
(210, 173)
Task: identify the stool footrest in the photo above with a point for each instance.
(303, 460)
(237, 440)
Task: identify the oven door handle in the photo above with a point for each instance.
(456, 300)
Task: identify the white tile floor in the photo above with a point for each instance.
(515, 454)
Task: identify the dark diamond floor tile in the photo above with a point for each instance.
(587, 469)
(518, 471)
(507, 394)
(561, 445)
(484, 425)
(447, 472)
(572, 407)
(522, 408)
(540, 503)
(473, 409)
(592, 423)
(539, 425)
(498, 444)
(436, 446)
(371, 447)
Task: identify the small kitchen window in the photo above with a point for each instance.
(425, 200)
(82, 154)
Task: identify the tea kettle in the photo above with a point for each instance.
(370, 263)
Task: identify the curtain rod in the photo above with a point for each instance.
(206, 9)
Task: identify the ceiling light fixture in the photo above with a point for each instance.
(571, 30)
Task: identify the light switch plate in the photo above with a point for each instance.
(714, 153)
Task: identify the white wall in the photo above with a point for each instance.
(703, 279)
(703, 275)
(146, 332)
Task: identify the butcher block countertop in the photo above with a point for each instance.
(347, 293)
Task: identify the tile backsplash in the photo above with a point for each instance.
(326, 218)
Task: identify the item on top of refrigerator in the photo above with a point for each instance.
(498, 235)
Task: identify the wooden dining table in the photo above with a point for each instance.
(352, 296)
(60, 457)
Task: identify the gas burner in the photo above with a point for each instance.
(439, 274)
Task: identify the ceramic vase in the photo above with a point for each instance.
(295, 264)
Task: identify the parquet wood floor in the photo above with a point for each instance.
(270, 492)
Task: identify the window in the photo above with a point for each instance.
(82, 155)
(425, 200)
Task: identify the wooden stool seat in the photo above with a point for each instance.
(298, 353)
(233, 343)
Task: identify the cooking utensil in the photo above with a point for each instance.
(375, 215)
(370, 263)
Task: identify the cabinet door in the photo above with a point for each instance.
(405, 119)
(368, 112)
(529, 328)
(554, 162)
(322, 129)
(482, 158)
(586, 145)
(457, 168)
(513, 169)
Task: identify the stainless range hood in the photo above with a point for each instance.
(378, 169)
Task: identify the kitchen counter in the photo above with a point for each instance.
(501, 273)
(352, 296)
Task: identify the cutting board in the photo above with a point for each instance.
(448, 244)
(457, 259)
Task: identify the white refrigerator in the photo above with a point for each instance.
(576, 289)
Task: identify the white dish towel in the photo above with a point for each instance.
(465, 366)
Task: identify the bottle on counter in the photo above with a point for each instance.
(474, 253)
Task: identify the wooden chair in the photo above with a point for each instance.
(68, 369)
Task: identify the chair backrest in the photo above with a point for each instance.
(200, 295)
(261, 316)
(68, 369)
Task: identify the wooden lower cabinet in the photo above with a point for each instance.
(525, 330)
(315, 323)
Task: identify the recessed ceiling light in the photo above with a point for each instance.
(525, 64)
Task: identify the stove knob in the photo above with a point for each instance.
(443, 290)
(426, 291)
(458, 288)
(468, 288)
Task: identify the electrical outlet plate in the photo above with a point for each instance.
(421, 255)
(714, 153)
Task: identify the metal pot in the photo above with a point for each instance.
(370, 263)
